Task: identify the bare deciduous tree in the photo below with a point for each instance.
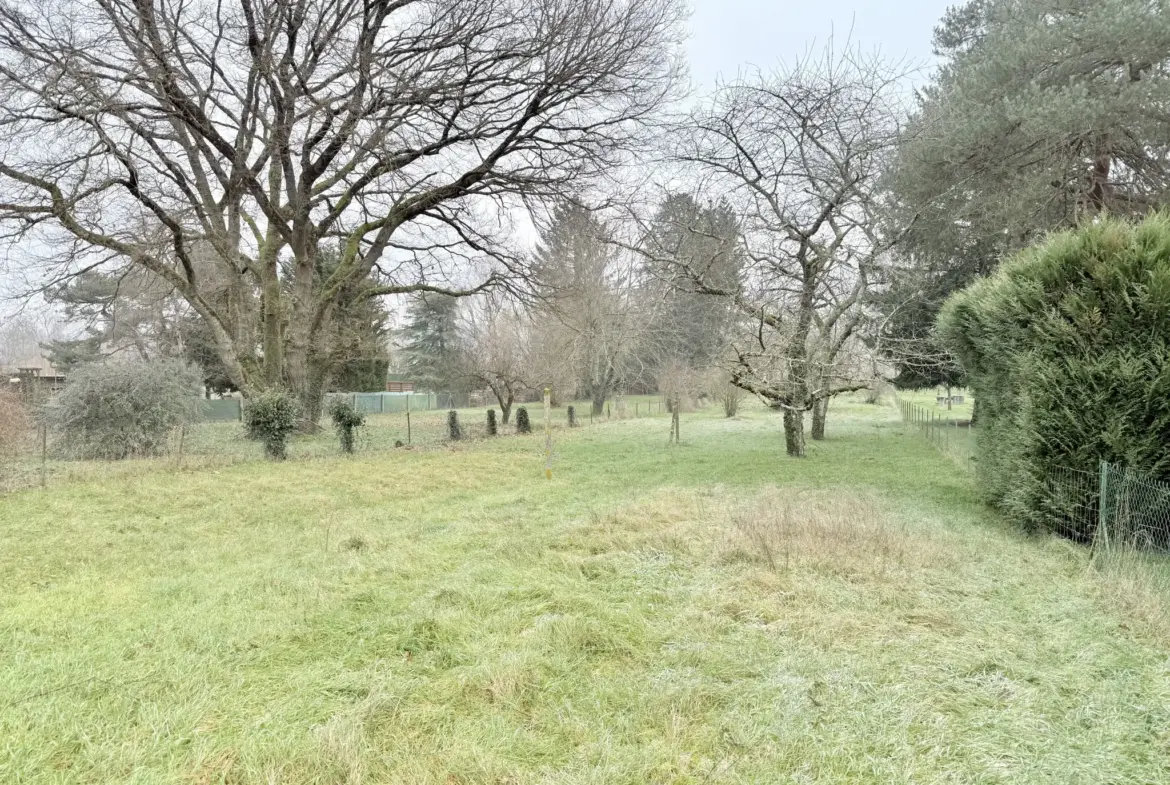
(496, 352)
(798, 154)
(217, 145)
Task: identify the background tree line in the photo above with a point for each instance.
(357, 195)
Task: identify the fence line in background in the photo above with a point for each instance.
(953, 438)
(407, 420)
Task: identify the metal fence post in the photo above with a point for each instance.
(1102, 517)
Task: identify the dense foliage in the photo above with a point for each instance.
(346, 420)
(454, 431)
(523, 424)
(1042, 114)
(1067, 350)
(493, 427)
(271, 418)
(431, 343)
(113, 410)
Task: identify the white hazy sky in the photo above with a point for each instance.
(727, 35)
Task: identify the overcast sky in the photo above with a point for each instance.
(729, 34)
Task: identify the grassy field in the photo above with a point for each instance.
(706, 613)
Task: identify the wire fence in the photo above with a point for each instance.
(35, 456)
(953, 436)
(1123, 514)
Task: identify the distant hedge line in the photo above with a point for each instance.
(1067, 351)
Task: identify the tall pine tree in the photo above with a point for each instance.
(1042, 115)
(430, 343)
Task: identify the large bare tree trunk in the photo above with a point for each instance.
(794, 433)
(598, 403)
(820, 412)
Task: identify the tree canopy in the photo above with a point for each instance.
(1041, 115)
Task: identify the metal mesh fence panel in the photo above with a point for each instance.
(1135, 511)
(32, 458)
(1069, 503)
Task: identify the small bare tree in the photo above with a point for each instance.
(219, 145)
(497, 338)
(798, 154)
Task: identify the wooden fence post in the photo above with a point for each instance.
(548, 433)
(44, 454)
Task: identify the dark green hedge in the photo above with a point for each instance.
(1067, 351)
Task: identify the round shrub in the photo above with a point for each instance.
(345, 420)
(122, 409)
(271, 417)
(454, 432)
(571, 411)
(523, 424)
(492, 427)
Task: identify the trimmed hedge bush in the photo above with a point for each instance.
(1067, 352)
(523, 424)
(454, 431)
(493, 427)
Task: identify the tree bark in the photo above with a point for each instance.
(505, 407)
(819, 412)
(794, 433)
(598, 404)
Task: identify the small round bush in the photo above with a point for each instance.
(493, 428)
(271, 417)
(345, 420)
(523, 424)
(122, 409)
(453, 430)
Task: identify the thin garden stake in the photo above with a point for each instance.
(44, 453)
(547, 433)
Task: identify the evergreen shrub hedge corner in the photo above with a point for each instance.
(1067, 351)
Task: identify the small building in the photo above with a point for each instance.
(32, 377)
(399, 383)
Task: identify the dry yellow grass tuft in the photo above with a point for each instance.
(837, 531)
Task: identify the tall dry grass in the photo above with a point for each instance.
(17, 438)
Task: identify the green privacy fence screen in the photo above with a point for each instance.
(393, 403)
(222, 410)
(230, 409)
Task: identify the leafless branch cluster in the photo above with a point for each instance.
(218, 145)
(798, 153)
